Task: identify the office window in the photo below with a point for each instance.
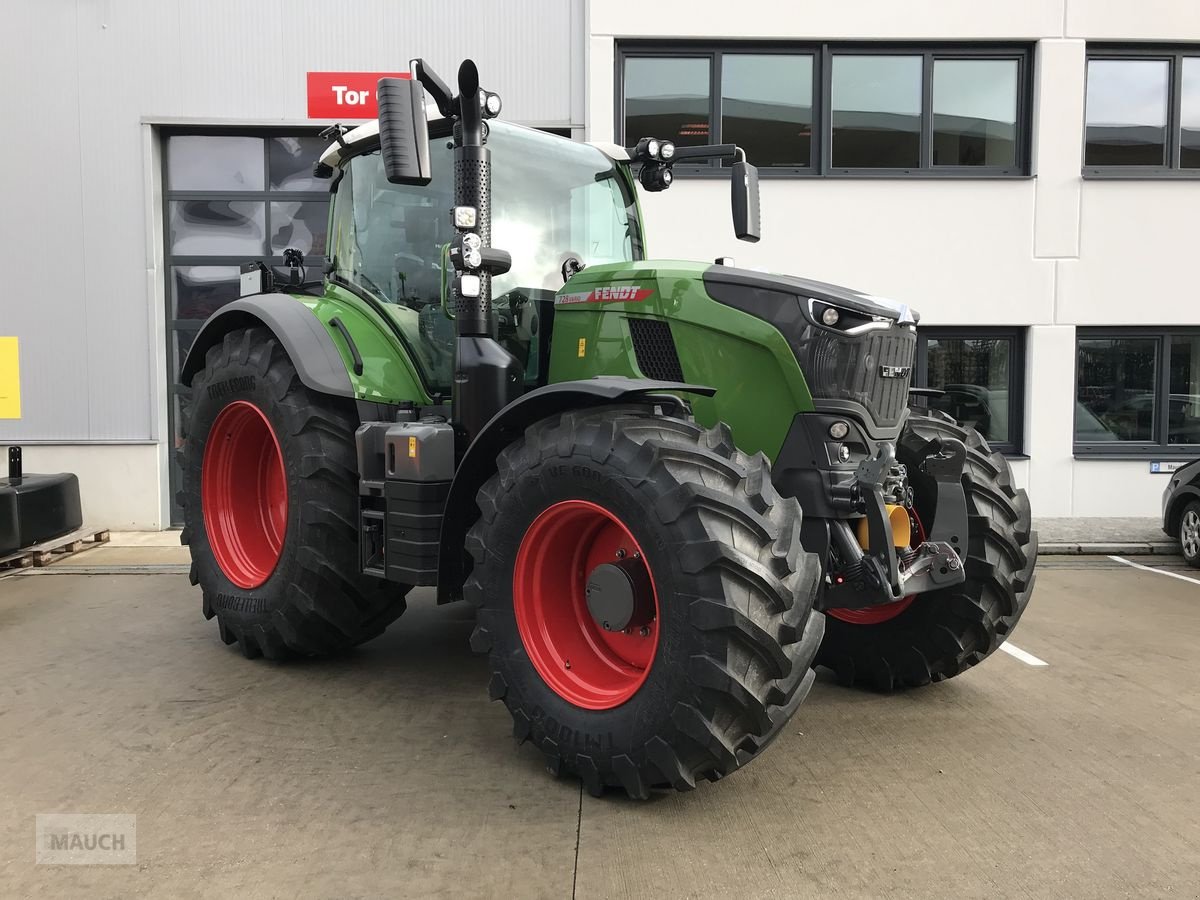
(1137, 391)
(231, 198)
(1183, 398)
(1127, 112)
(876, 103)
(978, 376)
(1189, 114)
(975, 112)
(669, 99)
(1143, 112)
(834, 109)
(767, 107)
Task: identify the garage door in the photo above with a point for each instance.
(229, 198)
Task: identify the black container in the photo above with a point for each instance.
(36, 508)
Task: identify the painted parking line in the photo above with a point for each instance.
(1028, 658)
(1127, 562)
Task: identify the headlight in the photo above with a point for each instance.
(831, 316)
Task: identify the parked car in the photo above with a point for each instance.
(1181, 511)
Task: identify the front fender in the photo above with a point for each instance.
(479, 462)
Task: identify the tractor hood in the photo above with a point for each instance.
(720, 279)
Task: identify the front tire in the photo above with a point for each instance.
(730, 633)
(943, 633)
(270, 498)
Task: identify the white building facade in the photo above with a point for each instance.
(1026, 175)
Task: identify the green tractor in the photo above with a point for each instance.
(669, 489)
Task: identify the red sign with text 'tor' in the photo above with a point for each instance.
(345, 95)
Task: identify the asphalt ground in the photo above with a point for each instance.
(388, 772)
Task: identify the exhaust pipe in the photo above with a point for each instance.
(486, 376)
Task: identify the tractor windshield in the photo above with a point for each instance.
(551, 198)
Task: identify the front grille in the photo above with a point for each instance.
(654, 348)
(840, 366)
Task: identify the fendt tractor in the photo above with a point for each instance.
(669, 489)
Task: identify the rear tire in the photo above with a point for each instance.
(943, 633)
(294, 586)
(735, 630)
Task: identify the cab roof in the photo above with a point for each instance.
(366, 137)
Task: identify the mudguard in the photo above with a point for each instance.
(479, 462)
(307, 342)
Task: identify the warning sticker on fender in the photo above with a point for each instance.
(620, 294)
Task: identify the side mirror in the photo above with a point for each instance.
(403, 131)
(743, 180)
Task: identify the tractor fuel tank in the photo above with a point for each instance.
(419, 451)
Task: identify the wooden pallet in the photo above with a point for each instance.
(48, 551)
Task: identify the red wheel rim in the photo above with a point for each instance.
(885, 612)
(580, 661)
(243, 488)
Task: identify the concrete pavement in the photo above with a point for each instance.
(388, 773)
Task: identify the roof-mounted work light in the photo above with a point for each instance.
(650, 149)
(655, 177)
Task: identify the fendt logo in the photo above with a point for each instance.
(620, 294)
(345, 95)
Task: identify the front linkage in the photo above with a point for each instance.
(878, 574)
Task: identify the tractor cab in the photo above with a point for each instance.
(555, 203)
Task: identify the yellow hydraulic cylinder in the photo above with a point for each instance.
(901, 527)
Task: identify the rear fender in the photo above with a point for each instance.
(479, 462)
(306, 341)
(338, 345)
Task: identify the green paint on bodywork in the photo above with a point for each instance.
(759, 383)
(388, 372)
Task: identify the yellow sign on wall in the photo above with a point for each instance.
(10, 379)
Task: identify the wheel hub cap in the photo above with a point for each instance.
(619, 595)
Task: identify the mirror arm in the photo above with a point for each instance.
(441, 93)
(708, 151)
